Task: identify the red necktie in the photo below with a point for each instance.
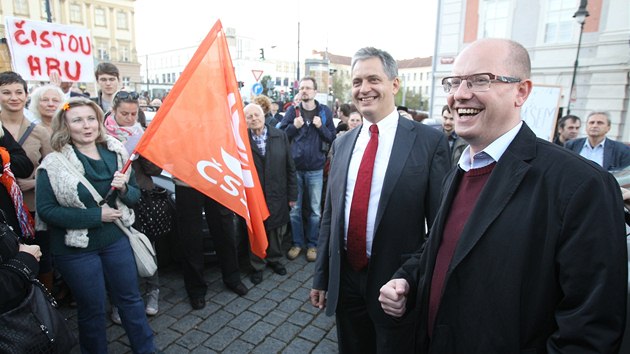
(357, 225)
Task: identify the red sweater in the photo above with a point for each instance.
(463, 204)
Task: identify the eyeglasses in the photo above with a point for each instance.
(475, 82)
(125, 95)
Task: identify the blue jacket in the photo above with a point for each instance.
(616, 154)
(307, 150)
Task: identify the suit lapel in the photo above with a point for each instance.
(499, 190)
(342, 154)
(403, 142)
(608, 154)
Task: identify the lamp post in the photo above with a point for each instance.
(580, 16)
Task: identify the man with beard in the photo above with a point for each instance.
(311, 130)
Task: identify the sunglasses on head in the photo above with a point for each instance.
(125, 95)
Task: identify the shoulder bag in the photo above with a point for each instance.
(35, 325)
(143, 251)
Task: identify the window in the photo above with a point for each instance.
(559, 21)
(99, 17)
(103, 54)
(126, 81)
(421, 74)
(20, 7)
(121, 20)
(76, 15)
(495, 18)
(164, 78)
(124, 53)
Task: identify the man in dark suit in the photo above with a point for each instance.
(610, 154)
(374, 217)
(527, 253)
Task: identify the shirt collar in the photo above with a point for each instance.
(491, 153)
(587, 144)
(390, 121)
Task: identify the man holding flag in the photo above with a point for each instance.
(201, 139)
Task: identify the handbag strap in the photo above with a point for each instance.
(97, 197)
(26, 133)
(26, 274)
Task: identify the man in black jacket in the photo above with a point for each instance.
(276, 171)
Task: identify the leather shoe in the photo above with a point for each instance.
(277, 268)
(256, 277)
(197, 303)
(239, 288)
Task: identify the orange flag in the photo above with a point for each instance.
(199, 135)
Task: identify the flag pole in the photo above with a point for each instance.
(133, 157)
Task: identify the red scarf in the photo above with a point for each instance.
(8, 181)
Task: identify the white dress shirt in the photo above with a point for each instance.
(491, 153)
(593, 153)
(386, 133)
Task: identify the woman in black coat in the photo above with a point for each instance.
(13, 286)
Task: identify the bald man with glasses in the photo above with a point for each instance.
(527, 253)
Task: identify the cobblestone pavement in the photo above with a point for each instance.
(274, 317)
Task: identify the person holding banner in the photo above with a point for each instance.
(89, 249)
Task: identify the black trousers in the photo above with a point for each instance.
(362, 326)
(226, 229)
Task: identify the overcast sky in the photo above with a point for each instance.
(404, 28)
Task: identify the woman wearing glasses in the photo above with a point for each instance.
(122, 123)
(88, 247)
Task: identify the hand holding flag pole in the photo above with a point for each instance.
(132, 158)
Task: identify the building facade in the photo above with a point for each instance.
(111, 23)
(551, 34)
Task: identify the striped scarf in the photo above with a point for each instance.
(7, 179)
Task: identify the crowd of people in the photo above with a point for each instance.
(474, 238)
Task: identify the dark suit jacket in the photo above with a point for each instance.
(276, 173)
(411, 188)
(616, 154)
(541, 264)
(458, 148)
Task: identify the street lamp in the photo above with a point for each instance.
(580, 16)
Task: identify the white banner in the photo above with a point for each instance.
(40, 48)
(541, 110)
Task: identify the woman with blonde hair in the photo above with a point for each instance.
(89, 248)
(265, 103)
